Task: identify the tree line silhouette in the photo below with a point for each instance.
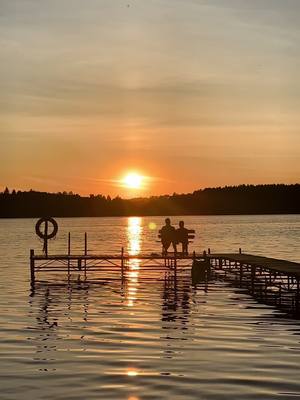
(242, 199)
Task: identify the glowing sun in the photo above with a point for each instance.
(133, 181)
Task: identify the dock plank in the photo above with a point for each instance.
(276, 265)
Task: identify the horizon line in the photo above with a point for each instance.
(71, 193)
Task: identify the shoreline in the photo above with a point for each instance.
(150, 215)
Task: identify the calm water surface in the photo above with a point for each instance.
(145, 340)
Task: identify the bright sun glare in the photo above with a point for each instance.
(133, 181)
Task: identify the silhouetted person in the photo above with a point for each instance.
(183, 237)
(168, 236)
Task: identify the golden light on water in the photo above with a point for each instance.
(134, 237)
(132, 372)
(134, 231)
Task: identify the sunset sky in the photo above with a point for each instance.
(188, 93)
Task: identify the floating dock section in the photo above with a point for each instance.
(270, 280)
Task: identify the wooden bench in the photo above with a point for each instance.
(191, 236)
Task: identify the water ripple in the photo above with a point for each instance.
(146, 340)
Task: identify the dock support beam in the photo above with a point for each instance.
(175, 266)
(32, 274)
(253, 273)
(46, 239)
(297, 296)
(85, 243)
(122, 262)
(85, 250)
(69, 252)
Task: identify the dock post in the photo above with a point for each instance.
(85, 243)
(240, 251)
(208, 250)
(122, 262)
(46, 239)
(220, 263)
(85, 250)
(253, 272)
(241, 273)
(297, 296)
(69, 251)
(32, 274)
(175, 271)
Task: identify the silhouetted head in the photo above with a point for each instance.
(168, 221)
(181, 224)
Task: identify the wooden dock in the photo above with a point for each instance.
(107, 265)
(273, 264)
(269, 280)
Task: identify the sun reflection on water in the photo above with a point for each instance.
(134, 233)
(132, 372)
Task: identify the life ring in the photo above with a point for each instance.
(42, 234)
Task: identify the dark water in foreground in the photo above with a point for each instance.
(145, 340)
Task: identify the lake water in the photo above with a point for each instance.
(145, 340)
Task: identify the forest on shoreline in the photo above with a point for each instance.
(242, 199)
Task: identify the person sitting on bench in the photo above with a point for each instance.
(168, 236)
(183, 237)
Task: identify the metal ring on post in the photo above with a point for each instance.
(43, 235)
